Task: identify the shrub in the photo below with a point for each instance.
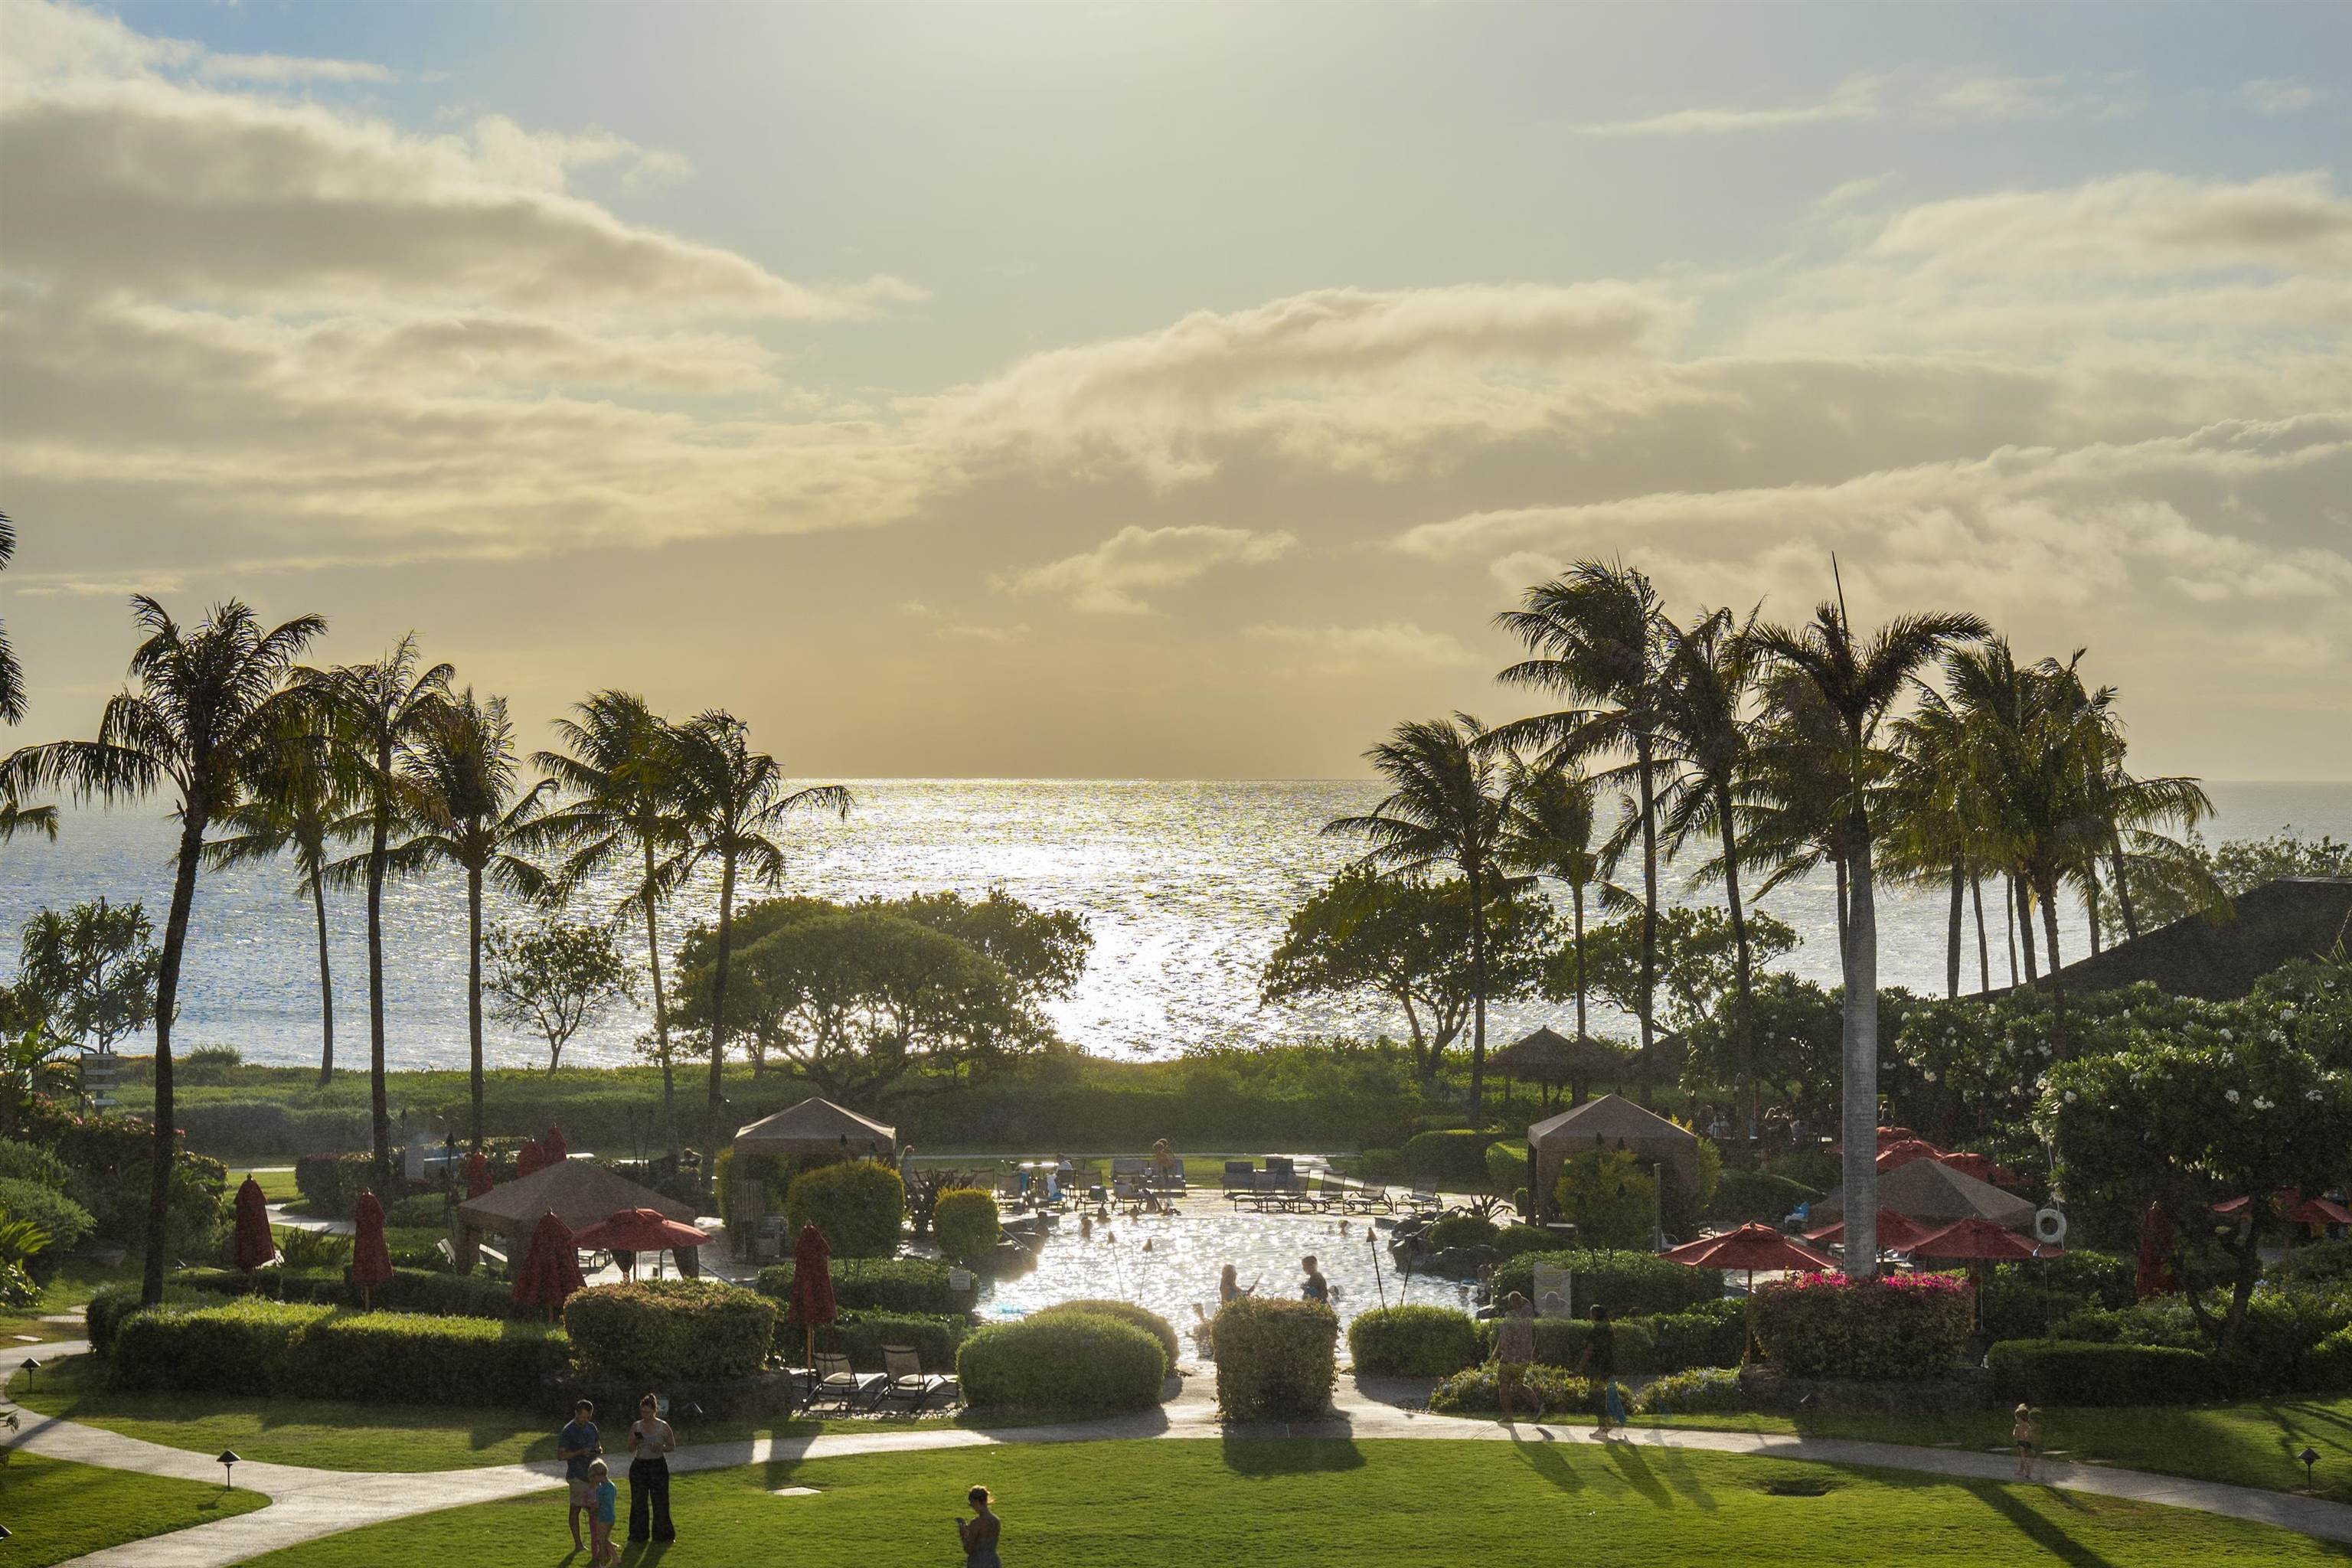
(1150, 1323)
(1076, 1362)
(2330, 1364)
(1461, 1230)
(2025, 1301)
(417, 1360)
(1712, 1335)
(418, 1211)
(1506, 1168)
(1275, 1359)
(1701, 1391)
(857, 1206)
(244, 1347)
(1629, 1284)
(2067, 1372)
(1454, 1158)
(1479, 1389)
(31, 1162)
(1514, 1239)
(1412, 1341)
(860, 1336)
(1609, 1196)
(429, 1292)
(1767, 1195)
(2313, 1264)
(916, 1285)
(2282, 1328)
(1560, 1341)
(64, 1221)
(670, 1330)
(966, 1223)
(109, 1305)
(1892, 1328)
(1381, 1166)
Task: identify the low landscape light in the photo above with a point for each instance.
(228, 1460)
(4, 1532)
(30, 1367)
(2310, 1456)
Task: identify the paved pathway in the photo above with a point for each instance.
(306, 1503)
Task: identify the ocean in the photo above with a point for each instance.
(1185, 887)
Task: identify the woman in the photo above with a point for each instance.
(979, 1532)
(1229, 1286)
(651, 1442)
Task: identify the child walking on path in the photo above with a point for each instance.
(2024, 1431)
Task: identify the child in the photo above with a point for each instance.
(2024, 1432)
(603, 1553)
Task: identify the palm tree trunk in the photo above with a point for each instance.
(1649, 922)
(1860, 1118)
(1960, 915)
(167, 1001)
(661, 1008)
(2123, 893)
(1743, 965)
(2091, 910)
(2025, 926)
(719, 1020)
(326, 987)
(1478, 994)
(1844, 901)
(378, 846)
(474, 990)
(2009, 911)
(1984, 952)
(2057, 985)
(1576, 897)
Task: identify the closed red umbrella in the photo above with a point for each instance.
(2153, 1277)
(370, 1258)
(254, 1246)
(553, 1150)
(1897, 1232)
(551, 1269)
(478, 1174)
(640, 1230)
(813, 1303)
(528, 1159)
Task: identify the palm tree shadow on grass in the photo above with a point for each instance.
(2044, 1532)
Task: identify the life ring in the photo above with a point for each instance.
(2049, 1226)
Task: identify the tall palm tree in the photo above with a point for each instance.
(1858, 681)
(1935, 830)
(461, 768)
(734, 799)
(375, 710)
(1596, 638)
(291, 810)
(16, 818)
(210, 701)
(1549, 831)
(618, 768)
(1448, 796)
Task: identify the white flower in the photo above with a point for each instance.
(2312, 1095)
(2261, 1104)
(2070, 1096)
(2232, 1096)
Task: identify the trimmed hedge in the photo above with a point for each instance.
(879, 1284)
(110, 1304)
(1454, 1157)
(1150, 1323)
(1702, 1391)
(1629, 1284)
(857, 1206)
(1479, 1389)
(2069, 1372)
(1076, 1362)
(1413, 1341)
(860, 1336)
(1893, 1329)
(1514, 1239)
(1275, 1359)
(2027, 1301)
(283, 1348)
(427, 1290)
(1712, 1335)
(670, 1330)
(1560, 1341)
(1461, 1230)
(967, 1224)
(245, 1347)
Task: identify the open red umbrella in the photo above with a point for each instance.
(551, 1269)
(1903, 1150)
(811, 1285)
(254, 1246)
(1982, 1241)
(2294, 1208)
(1897, 1232)
(2153, 1277)
(1752, 1247)
(478, 1174)
(370, 1258)
(639, 1230)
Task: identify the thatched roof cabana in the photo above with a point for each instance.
(580, 1193)
(817, 1126)
(1610, 1122)
(1551, 1059)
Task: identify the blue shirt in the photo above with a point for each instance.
(583, 1436)
(1314, 1290)
(605, 1492)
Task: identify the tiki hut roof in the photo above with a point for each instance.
(1548, 1056)
(578, 1192)
(814, 1127)
(2276, 923)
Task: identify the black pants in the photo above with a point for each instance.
(649, 1485)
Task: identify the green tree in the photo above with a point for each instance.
(1043, 951)
(461, 769)
(732, 801)
(1858, 681)
(374, 712)
(1610, 1197)
(1698, 963)
(210, 701)
(90, 971)
(556, 978)
(1549, 831)
(16, 818)
(1445, 807)
(2196, 878)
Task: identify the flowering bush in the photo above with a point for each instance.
(1895, 1328)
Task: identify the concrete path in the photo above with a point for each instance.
(306, 1503)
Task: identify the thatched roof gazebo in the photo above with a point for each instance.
(1551, 1059)
(817, 1126)
(580, 1193)
(1931, 1190)
(1610, 1122)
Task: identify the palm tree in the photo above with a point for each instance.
(733, 801)
(1597, 641)
(1935, 828)
(1549, 831)
(461, 768)
(210, 700)
(1857, 682)
(618, 766)
(1447, 805)
(14, 816)
(293, 810)
(375, 710)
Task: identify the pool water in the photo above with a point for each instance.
(1171, 1264)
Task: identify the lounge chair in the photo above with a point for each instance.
(1424, 1200)
(903, 1377)
(1172, 1181)
(838, 1385)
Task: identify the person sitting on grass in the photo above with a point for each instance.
(600, 1550)
(1314, 1288)
(577, 1445)
(1515, 1347)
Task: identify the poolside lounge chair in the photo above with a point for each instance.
(836, 1385)
(1371, 1200)
(1423, 1200)
(1172, 1181)
(904, 1378)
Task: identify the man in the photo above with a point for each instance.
(1515, 1347)
(1314, 1288)
(578, 1445)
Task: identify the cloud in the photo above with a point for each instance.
(1111, 579)
(281, 69)
(1860, 97)
(1349, 650)
(1853, 190)
(966, 632)
(2270, 95)
(1867, 97)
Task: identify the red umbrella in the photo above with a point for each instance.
(811, 1285)
(639, 1230)
(478, 1174)
(2153, 1275)
(528, 1159)
(553, 1150)
(1897, 1232)
(1752, 1247)
(1982, 1241)
(551, 1269)
(370, 1258)
(254, 1246)
(2294, 1208)
(1903, 1150)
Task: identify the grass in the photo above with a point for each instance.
(68, 1291)
(277, 1185)
(337, 1434)
(56, 1510)
(1307, 1503)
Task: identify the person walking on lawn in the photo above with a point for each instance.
(578, 1445)
(1601, 1365)
(1515, 1347)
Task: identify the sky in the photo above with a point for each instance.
(1177, 390)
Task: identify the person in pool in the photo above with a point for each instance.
(1314, 1288)
(1229, 1285)
(978, 1534)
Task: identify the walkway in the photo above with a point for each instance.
(306, 1504)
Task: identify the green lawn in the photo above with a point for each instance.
(277, 1183)
(334, 1435)
(1309, 1504)
(69, 1291)
(56, 1510)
